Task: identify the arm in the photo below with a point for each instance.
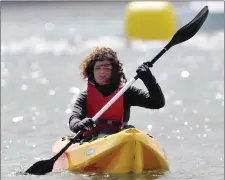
(79, 112)
(154, 98)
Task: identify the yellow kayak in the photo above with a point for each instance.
(129, 151)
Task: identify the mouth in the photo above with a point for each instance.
(103, 79)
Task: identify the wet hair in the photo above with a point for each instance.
(101, 54)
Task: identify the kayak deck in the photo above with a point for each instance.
(129, 151)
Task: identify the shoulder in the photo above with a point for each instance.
(132, 90)
(82, 95)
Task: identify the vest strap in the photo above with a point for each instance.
(111, 122)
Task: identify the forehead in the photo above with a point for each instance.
(105, 62)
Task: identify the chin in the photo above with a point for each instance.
(102, 83)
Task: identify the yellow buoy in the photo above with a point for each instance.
(150, 20)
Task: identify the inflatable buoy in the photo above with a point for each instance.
(150, 20)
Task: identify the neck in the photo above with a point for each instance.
(105, 90)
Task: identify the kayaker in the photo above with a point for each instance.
(105, 77)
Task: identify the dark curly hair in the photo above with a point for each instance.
(101, 54)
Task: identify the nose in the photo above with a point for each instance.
(103, 71)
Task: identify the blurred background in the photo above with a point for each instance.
(42, 46)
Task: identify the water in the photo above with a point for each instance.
(41, 51)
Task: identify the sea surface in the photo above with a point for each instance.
(42, 47)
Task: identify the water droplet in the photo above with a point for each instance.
(149, 127)
(68, 111)
(52, 92)
(33, 108)
(37, 158)
(206, 119)
(35, 74)
(219, 96)
(185, 123)
(17, 119)
(176, 131)
(44, 81)
(171, 116)
(74, 90)
(184, 74)
(177, 102)
(49, 26)
(24, 87)
(37, 113)
(34, 145)
(73, 100)
(195, 111)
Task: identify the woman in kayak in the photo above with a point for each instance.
(105, 77)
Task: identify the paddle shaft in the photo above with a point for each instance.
(66, 147)
(128, 84)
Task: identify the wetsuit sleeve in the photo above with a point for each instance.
(152, 99)
(79, 111)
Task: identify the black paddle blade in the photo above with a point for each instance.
(190, 29)
(41, 167)
(46, 166)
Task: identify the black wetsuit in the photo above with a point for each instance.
(151, 99)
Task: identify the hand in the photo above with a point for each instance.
(86, 124)
(144, 72)
(128, 126)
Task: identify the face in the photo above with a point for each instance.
(102, 72)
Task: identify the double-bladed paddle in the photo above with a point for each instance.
(183, 34)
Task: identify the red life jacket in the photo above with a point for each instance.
(95, 101)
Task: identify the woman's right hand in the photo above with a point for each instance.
(86, 124)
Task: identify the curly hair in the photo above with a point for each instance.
(101, 54)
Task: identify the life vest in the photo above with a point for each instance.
(112, 118)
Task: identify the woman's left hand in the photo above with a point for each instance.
(144, 72)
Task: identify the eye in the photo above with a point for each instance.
(97, 68)
(108, 67)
